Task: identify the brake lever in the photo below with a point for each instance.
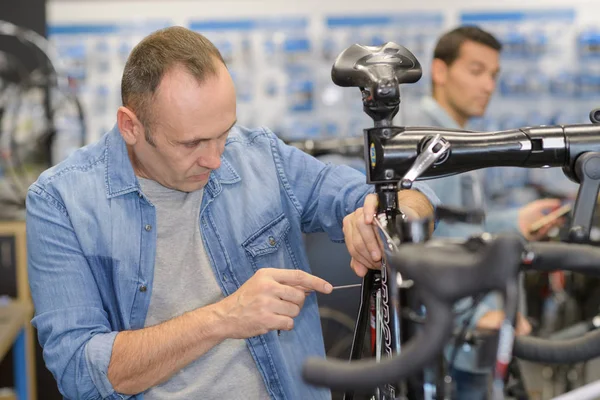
(436, 147)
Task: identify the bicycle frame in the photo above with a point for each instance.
(381, 301)
(395, 329)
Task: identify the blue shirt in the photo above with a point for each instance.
(463, 190)
(91, 248)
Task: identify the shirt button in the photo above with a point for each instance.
(143, 288)
(272, 241)
(148, 228)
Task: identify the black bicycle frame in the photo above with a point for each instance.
(395, 296)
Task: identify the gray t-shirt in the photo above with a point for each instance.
(183, 281)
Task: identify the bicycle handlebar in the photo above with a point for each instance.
(447, 271)
(368, 374)
(395, 148)
(444, 275)
(549, 257)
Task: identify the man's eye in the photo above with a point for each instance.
(191, 145)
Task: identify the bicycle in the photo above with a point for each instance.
(478, 264)
(26, 146)
(389, 153)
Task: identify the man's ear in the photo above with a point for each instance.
(439, 72)
(129, 125)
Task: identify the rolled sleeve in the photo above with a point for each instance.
(72, 324)
(98, 351)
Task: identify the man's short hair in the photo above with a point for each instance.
(154, 56)
(448, 46)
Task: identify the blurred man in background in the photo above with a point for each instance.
(466, 63)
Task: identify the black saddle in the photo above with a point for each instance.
(377, 71)
(366, 66)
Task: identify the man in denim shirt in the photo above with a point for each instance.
(463, 72)
(165, 258)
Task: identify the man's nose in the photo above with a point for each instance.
(210, 157)
(489, 84)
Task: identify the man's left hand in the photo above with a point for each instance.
(360, 233)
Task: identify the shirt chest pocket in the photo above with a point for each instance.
(269, 247)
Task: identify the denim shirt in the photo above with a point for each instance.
(91, 248)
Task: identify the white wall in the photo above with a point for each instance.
(181, 12)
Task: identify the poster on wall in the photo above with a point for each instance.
(282, 67)
(94, 56)
(545, 79)
(272, 64)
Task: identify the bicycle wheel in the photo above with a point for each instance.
(338, 330)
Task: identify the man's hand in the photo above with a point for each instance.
(270, 300)
(494, 319)
(360, 234)
(532, 212)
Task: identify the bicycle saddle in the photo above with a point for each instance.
(368, 66)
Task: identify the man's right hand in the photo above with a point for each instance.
(532, 212)
(269, 300)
